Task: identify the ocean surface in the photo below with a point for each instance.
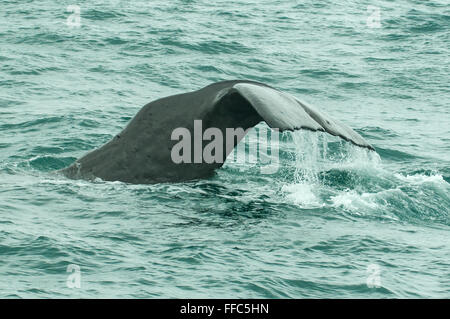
(334, 221)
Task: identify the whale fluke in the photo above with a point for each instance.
(142, 152)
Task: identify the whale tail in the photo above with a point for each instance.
(143, 152)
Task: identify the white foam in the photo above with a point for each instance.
(421, 179)
(302, 194)
(354, 201)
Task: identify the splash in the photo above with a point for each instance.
(320, 160)
(328, 172)
(319, 152)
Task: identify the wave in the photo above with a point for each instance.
(352, 181)
(317, 171)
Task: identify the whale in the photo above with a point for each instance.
(143, 152)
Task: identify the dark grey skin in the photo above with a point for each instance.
(141, 153)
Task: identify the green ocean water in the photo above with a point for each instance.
(332, 219)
